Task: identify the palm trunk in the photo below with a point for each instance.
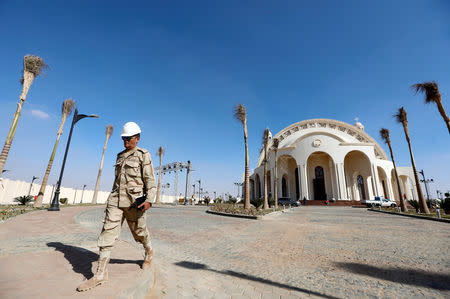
(247, 172)
(422, 203)
(97, 184)
(402, 200)
(443, 114)
(38, 202)
(159, 181)
(10, 137)
(275, 183)
(27, 81)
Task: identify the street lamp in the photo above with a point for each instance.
(187, 177)
(82, 193)
(31, 185)
(425, 182)
(199, 187)
(76, 118)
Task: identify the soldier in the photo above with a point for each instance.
(134, 177)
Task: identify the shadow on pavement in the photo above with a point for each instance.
(198, 266)
(405, 276)
(81, 259)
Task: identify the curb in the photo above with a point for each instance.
(413, 216)
(258, 217)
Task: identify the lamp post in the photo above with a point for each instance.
(425, 182)
(76, 118)
(187, 178)
(199, 189)
(82, 193)
(31, 185)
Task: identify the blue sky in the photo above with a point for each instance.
(178, 67)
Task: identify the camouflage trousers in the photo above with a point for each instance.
(112, 225)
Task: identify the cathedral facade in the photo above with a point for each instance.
(321, 159)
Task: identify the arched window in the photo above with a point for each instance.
(362, 192)
(319, 172)
(284, 187)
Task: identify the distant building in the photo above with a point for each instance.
(321, 159)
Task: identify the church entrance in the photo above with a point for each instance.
(319, 184)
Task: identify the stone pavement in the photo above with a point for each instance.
(47, 255)
(311, 252)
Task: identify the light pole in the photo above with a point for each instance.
(31, 185)
(187, 177)
(82, 193)
(425, 182)
(76, 118)
(199, 188)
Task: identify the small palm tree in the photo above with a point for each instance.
(432, 95)
(67, 107)
(109, 131)
(265, 142)
(160, 154)
(32, 67)
(403, 119)
(241, 115)
(275, 145)
(384, 133)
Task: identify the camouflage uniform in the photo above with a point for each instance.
(133, 173)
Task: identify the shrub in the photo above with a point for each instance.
(257, 202)
(232, 200)
(445, 205)
(23, 200)
(63, 200)
(414, 204)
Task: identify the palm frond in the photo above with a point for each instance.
(401, 116)
(275, 143)
(109, 130)
(240, 113)
(161, 151)
(384, 133)
(430, 89)
(67, 106)
(34, 64)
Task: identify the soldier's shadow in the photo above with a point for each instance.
(81, 259)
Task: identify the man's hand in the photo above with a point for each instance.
(145, 206)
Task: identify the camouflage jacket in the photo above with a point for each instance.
(134, 174)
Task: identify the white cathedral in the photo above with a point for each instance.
(321, 159)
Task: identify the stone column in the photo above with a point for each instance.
(333, 182)
(374, 173)
(304, 181)
(340, 174)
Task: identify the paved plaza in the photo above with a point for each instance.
(309, 252)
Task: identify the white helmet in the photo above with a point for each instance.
(130, 129)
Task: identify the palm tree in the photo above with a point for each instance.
(265, 141)
(241, 115)
(32, 67)
(275, 145)
(432, 95)
(109, 131)
(160, 154)
(67, 107)
(384, 133)
(402, 118)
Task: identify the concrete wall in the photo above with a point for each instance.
(9, 189)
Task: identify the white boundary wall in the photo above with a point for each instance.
(10, 189)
